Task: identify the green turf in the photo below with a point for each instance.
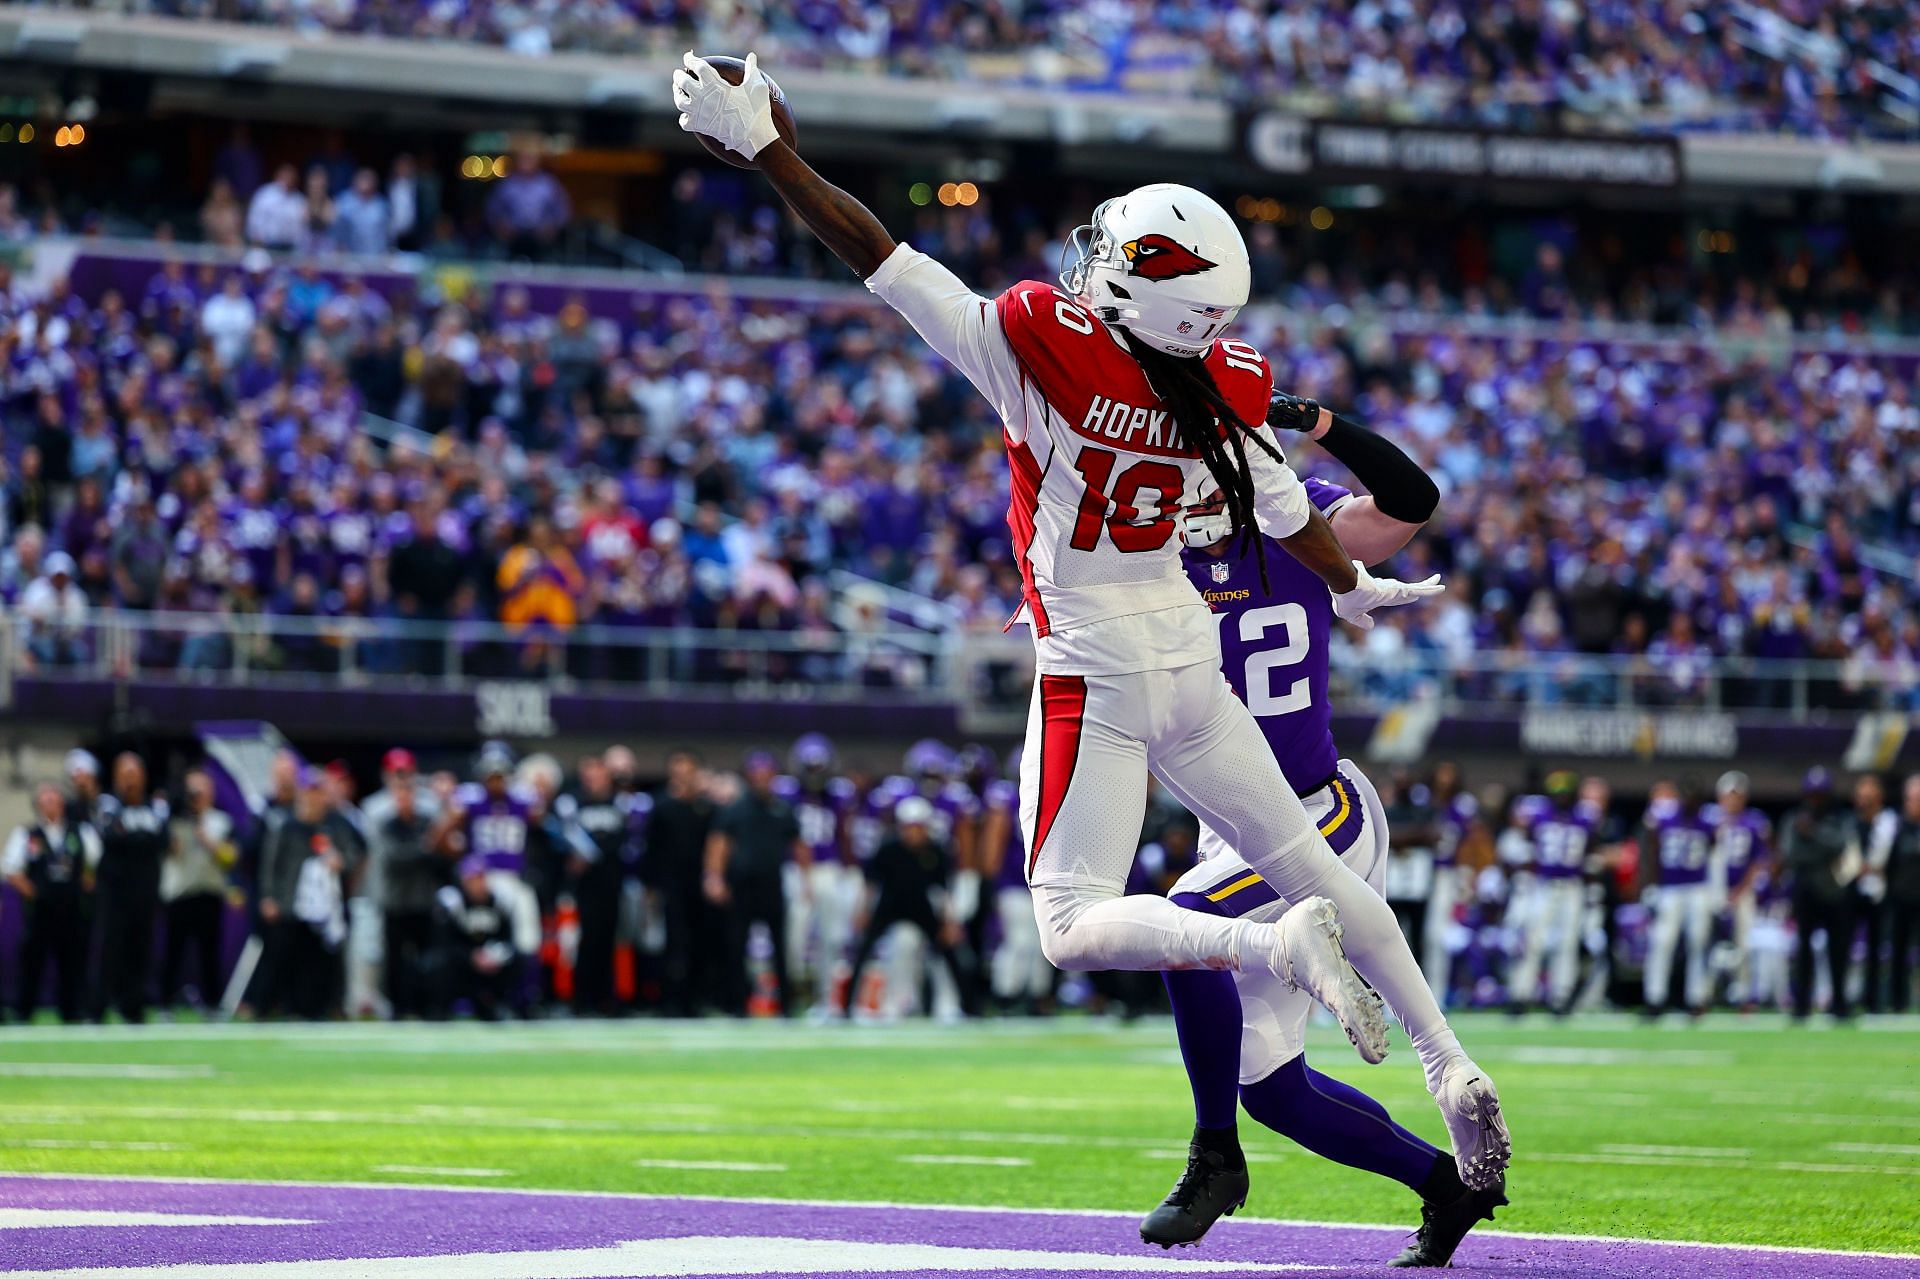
(1749, 1131)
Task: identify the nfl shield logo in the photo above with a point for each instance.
(1185, 326)
(1220, 569)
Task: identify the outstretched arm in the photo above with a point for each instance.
(843, 224)
(740, 118)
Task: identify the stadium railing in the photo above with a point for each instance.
(983, 669)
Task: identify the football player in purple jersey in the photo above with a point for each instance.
(1550, 887)
(1683, 881)
(822, 898)
(1242, 1035)
(1454, 808)
(1742, 838)
(489, 819)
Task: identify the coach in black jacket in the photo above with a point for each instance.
(134, 838)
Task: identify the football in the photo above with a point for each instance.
(733, 70)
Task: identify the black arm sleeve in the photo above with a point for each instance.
(1401, 490)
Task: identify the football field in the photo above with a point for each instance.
(1744, 1131)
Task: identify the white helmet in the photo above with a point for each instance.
(1165, 263)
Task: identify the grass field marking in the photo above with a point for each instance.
(1393, 1228)
(1703, 1152)
(1251, 1156)
(64, 1143)
(102, 1070)
(708, 1165)
(96, 1218)
(1691, 1161)
(1872, 1148)
(1561, 1055)
(430, 1170)
(971, 1161)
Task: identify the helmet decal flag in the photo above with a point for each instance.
(1155, 257)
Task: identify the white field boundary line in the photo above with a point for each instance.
(994, 1209)
(1681, 1161)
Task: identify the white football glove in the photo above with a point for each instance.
(1370, 592)
(737, 116)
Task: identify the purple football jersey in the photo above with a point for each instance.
(1273, 644)
(1740, 839)
(1560, 838)
(1682, 843)
(497, 828)
(818, 814)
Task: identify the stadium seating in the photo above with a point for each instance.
(1820, 68)
(709, 460)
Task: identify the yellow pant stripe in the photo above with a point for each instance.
(1227, 890)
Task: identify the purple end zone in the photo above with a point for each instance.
(322, 1222)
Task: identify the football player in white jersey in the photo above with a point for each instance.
(1123, 403)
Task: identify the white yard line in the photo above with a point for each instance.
(1693, 1161)
(1703, 1152)
(969, 1161)
(991, 1210)
(101, 1070)
(708, 1165)
(60, 1143)
(1872, 1148)
(430, 1170)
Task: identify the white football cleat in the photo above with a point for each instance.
(1311, 958)
(1471, 1107)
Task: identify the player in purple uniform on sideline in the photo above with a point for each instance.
(1242, 1035)
(1742, 849)
(1454, 808)
(1552, 883)
(1681, 873)
(489, 819)
(823, 896)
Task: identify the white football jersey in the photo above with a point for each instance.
(1099, 470)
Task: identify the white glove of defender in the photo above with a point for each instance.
(1370, 592)
(737, 116)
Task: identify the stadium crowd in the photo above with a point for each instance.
(1812, 66)
(528, 890)
(1613, 508)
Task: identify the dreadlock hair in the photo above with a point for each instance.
(1210, 427)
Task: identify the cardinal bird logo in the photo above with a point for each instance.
(1155, 257)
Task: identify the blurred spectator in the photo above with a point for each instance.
(227, 319)
(406, 874)
(277, 214)
(51, 862)
(1903, 896)
(54, 611)
(753, 839)
(474, 958)
(222, 217)
(904, 876)
(1814, 849)
(528, 209)
(193, 885)
(134, 838)
(1876, 826)
(363, 221)
(301, 902)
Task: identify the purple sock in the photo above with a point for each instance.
(1206, 1017)
(1338, 1123)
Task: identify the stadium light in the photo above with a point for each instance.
(920, 193)
(1321, 218)
(949, 193)
(26, 133)
(966, 194)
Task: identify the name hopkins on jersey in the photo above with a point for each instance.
(1122, 423)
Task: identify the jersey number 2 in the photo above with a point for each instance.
(1129, 535)
(1262, 700)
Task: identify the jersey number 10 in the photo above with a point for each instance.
(1130, 535)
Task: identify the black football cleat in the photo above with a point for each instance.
(1208, 1190)
(1444, 1225)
